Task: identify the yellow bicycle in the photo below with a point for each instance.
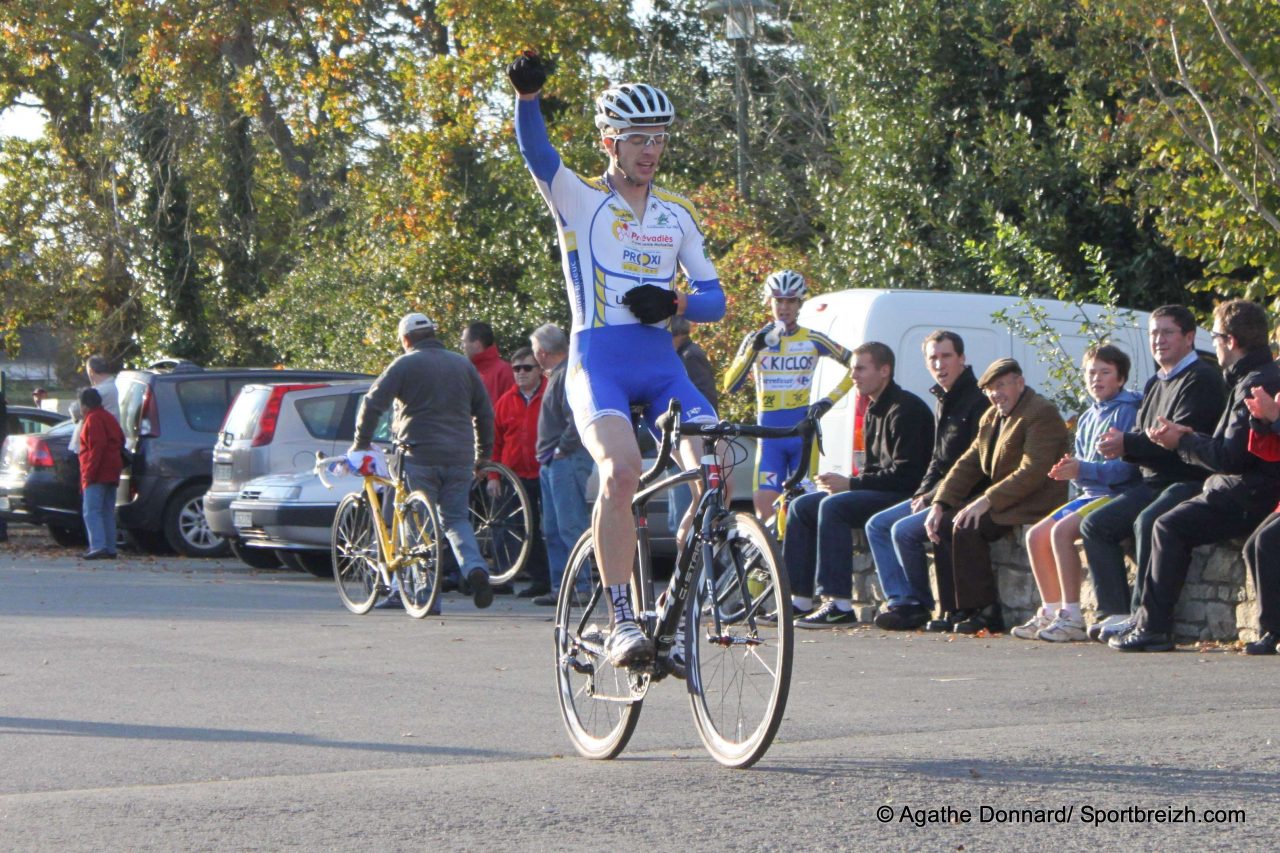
(372, 557)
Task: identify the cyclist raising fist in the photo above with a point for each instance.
(621, 241)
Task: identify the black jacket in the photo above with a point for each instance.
(899, 433)
(1193, 398)
(958, 412)
(1249, 481)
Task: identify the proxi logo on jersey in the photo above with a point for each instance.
(643, 262)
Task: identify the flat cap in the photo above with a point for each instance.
(998, 368)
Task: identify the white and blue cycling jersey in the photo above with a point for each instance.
(606, 250)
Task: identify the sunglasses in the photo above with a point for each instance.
(642, 140)
(521, 368)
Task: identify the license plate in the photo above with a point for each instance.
(242, 519)
(4, 504)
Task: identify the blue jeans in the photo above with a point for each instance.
(820, 533)
(449, 486)
(99, 508)
(564, 508)
(897, 539)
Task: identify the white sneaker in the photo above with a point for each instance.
(1030, 629)
(627, 645)
(1064, 629)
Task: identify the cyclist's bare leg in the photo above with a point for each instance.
(612, 444)
(688, 455)
(764, 500)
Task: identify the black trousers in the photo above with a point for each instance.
(1262, 559)
(962, 560)
(1209, 517)
(535, 568)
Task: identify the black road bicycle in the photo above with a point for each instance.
(727, 580)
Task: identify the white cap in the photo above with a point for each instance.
(413, 322)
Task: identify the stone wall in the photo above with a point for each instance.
(1217, 603)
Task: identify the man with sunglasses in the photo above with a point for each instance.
(515, 444)
(621, 241)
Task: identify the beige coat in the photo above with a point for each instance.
(1013, 475)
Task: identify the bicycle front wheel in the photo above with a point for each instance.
(596, 700)
(503, 521)
(354, 540)
(738, 664)
(420, 541)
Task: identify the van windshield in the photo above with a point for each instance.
(243, 417)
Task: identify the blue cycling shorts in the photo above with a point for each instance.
(613, 368)
(778, 458)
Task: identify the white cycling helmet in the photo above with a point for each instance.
(785, 284)
(633, 104)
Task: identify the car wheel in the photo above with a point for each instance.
(68, 537)
(254, 558)
(317, 563)
(187, 529)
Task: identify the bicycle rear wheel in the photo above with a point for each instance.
(354, 540)
(503, 522)
(420, 540)
(596, 700)
(738, 666)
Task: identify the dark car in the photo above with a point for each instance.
(25, 420)
(40, 482)
(171, 417)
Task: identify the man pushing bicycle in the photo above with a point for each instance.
(621, 239)
(442, 411)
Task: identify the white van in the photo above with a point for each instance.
(902, 318)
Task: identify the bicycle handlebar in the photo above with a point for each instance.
(671, 427)
(322, 464)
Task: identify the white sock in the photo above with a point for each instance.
(1073, 611)
(802, 602)
(844, 605)
(1048, 610)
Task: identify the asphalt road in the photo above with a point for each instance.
(167, 704)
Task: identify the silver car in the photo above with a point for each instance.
(276, 429)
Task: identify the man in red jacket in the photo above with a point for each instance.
(515, 439)
(478, 344)
(101, 441)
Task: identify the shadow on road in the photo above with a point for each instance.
(1088, 775)
(134, 731)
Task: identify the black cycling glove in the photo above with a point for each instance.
(818, 409)
(650, 303)
(528, 73)
(759, 342)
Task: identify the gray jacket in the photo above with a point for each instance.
(557, 433)
(441, 406)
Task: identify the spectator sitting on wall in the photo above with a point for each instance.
(1051, 543)
(1000, 481)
